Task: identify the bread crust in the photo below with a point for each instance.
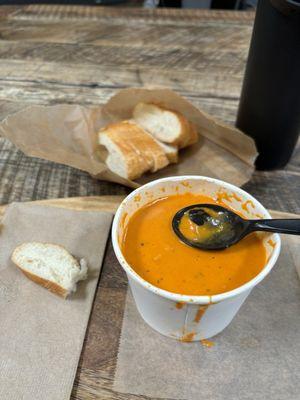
(188, 133)
(134, 150)
(194, 137)
(51, 286)
(139, 149)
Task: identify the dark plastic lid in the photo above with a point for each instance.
(287, 7)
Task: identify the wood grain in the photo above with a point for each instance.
(51, 12)
(53, 54)
(98, 359)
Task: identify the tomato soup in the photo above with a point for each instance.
(152, 249)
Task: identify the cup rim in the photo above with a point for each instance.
(192, 299)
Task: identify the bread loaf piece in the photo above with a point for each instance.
(50, 265)
(130, 150)
(170, 151)
(165, 125)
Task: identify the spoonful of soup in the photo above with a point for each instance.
(213, 227)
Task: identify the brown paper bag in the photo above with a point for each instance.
(66, 134)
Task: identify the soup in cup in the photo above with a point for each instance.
(182, 292)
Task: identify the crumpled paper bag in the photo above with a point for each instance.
(67, 134)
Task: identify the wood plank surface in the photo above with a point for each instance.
(53, 54)
(97, 364)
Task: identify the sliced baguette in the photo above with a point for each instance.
(50, 265)
(170, 151)
(131, 150)
(165, 125)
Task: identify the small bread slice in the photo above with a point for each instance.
(131, 150)
(170, 151)
(50, 265)
(165, 125)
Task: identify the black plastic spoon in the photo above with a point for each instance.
(212, 227)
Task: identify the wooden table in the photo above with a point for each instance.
(72, 54)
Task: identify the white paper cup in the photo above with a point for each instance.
(179, 316)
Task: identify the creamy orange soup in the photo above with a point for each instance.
(153, 250)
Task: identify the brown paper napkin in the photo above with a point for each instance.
(41, 335)
(256, 357)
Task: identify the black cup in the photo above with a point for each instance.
(269, 109)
